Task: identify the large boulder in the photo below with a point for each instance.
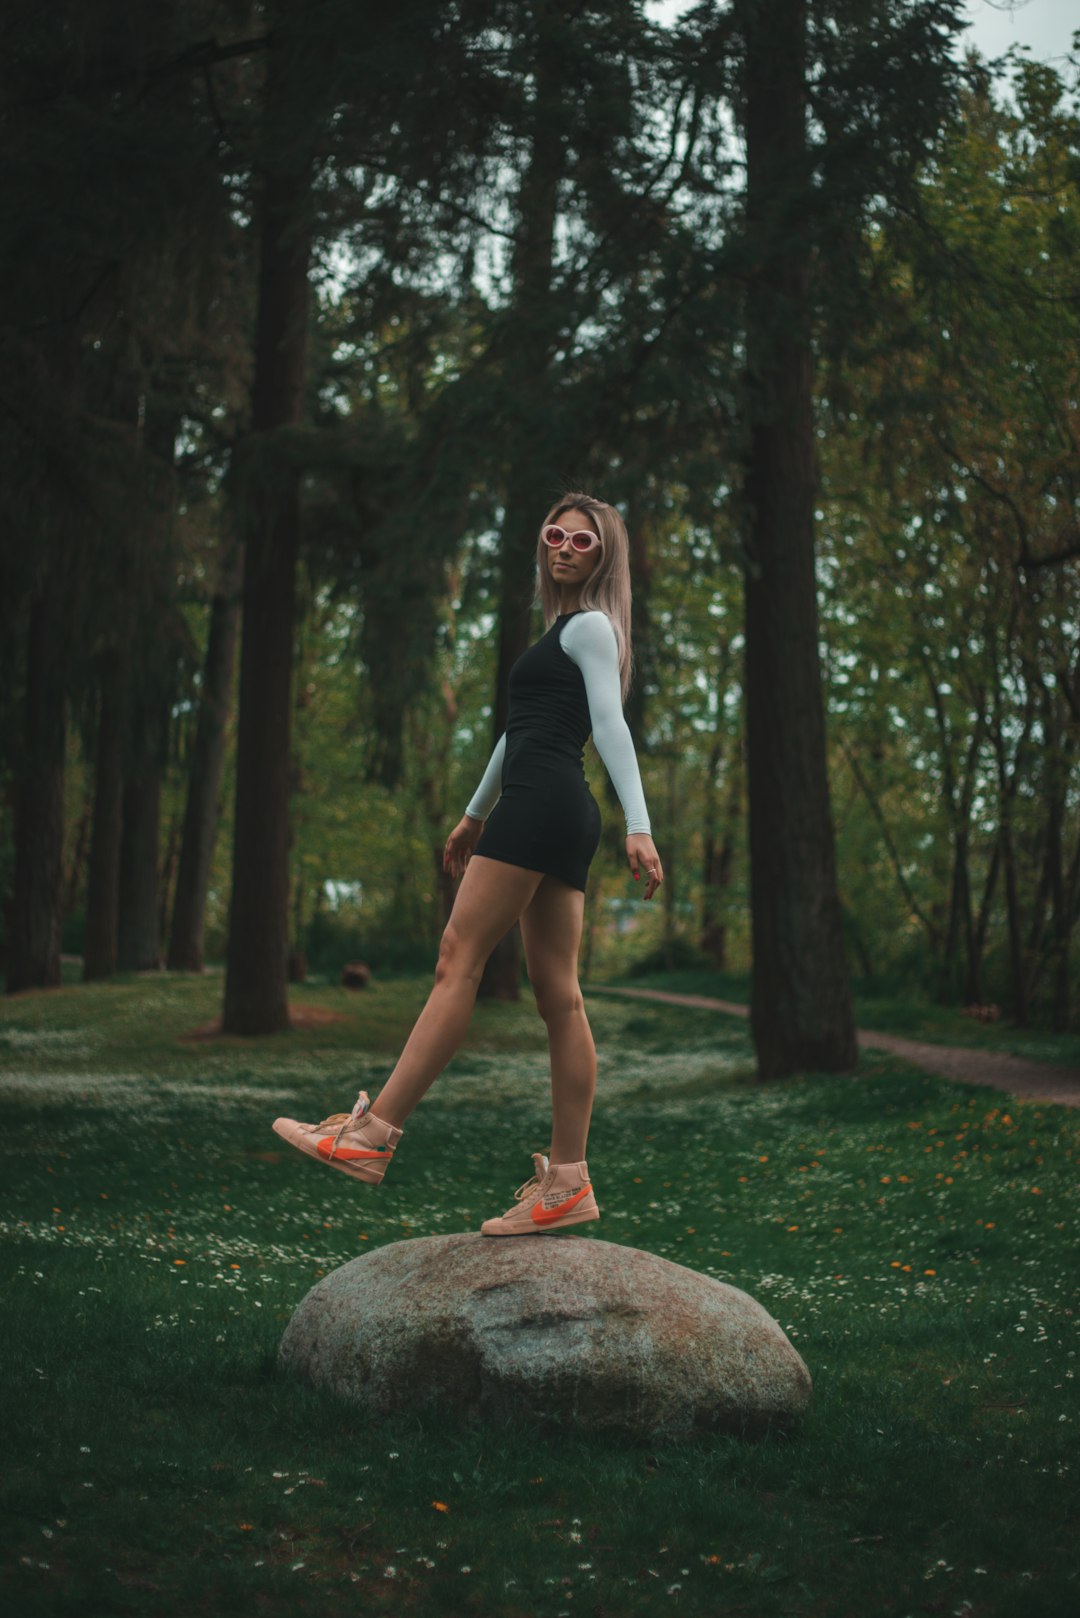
(548, 1328)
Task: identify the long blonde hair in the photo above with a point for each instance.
(607, 587)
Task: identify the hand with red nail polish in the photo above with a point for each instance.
(641, 851)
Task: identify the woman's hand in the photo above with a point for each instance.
(460, 844)
(641, 851)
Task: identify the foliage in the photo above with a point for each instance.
(945, 297)
(947, 475)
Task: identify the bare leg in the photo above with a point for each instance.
(490, 898)
(551, 931)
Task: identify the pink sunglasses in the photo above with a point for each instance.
(556, 537)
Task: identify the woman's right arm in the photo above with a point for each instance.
(489, 791)
(466, 834)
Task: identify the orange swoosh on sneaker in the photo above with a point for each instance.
(543, 1216)
(326, 1147)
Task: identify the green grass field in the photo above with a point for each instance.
(916, 1239)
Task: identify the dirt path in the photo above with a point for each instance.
(1031, 1081)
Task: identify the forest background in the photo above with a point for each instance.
(310, 313)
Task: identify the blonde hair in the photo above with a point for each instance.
(607, 587)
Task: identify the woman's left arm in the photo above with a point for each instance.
(589, 640)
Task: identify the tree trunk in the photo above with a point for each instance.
(975, 993)
(1033, 953)
(718, 861)
(672, 856)
(138, 940)
(150, 707)
(1018, 1005)
(73, 880)
(33, 954)
(1007, 786)
(138, 935)
(1059, 771)
(641, 571)
(296, 964)
(256, 971)
(801, 1013)
(168, 875)
(100, 950)
(530, 485)
(960, 917)
(711, 936)
(961, 926)
(1072, 900)
(204, 777)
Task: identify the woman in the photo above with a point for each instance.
(522, 851)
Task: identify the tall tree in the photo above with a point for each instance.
(805, 209)
(256, 975)
(35, 913)
(207, 758)
(530, 334)
(100, 949)
(800, 1003)
(160, 641)
(385, 124)
(113, 125)
(138, 946)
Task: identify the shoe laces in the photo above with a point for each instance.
(532, 1184)
(343, 1120)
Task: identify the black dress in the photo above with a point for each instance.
(546, 819)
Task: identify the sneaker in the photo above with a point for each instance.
(355, 1142)
(552, 1199)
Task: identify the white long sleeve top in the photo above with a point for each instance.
(589, 641)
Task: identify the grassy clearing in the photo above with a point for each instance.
(917, 1240)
